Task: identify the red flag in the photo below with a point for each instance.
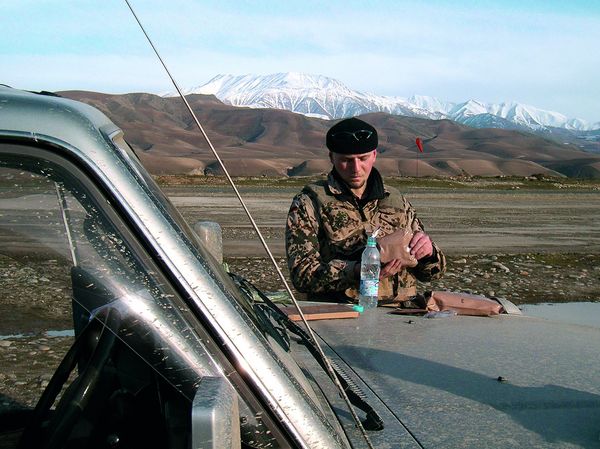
(419, 144)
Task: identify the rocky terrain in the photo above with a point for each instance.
(521, 278)
(529, 245)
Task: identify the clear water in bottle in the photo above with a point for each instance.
(370, 266)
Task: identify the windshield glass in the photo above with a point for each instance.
(76, 277)
(268, 325)
(53, 209)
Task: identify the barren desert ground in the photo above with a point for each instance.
(529, 245)
(465, 221)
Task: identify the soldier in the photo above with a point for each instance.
(329, 221)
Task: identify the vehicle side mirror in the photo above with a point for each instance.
(215, 415)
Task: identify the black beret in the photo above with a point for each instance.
(351, 136)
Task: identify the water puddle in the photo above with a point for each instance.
(585, 313)
(64, 333)
(14, 336)
(51, 333)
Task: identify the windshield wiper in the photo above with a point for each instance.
(264, 313)
(357, 397)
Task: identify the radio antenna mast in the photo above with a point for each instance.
(326, 360)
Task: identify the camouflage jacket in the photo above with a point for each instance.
(326, 232)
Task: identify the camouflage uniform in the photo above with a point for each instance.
(327, 230)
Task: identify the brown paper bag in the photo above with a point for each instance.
(463, 304)
(395, 246)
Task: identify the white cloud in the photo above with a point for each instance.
(392, 48)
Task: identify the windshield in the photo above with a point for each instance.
(49, 207)
(73, 270)
(262, 321)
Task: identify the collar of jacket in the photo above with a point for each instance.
(375, 188)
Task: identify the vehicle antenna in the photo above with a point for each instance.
(330, 369)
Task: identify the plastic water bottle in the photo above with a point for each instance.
(370, 265)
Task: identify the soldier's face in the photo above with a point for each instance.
(354, 169)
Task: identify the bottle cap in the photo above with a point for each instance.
(358, 308)
(371, 241)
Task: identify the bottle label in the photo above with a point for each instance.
(369, 287)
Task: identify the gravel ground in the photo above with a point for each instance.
(33, 296)
(28, 364)
(521, 278)
(34, 299)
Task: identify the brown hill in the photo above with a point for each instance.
(270, 142)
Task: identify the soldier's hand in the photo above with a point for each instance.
(420, 245)
(392, 267)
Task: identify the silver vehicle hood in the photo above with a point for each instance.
(470, 382)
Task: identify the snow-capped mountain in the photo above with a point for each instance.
(320, 96)
(312, 95)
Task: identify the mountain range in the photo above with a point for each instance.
(275, 142)
(327, 98)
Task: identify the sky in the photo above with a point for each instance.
(541, 53)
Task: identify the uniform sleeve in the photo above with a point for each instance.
(431, 267)
(308, 271)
